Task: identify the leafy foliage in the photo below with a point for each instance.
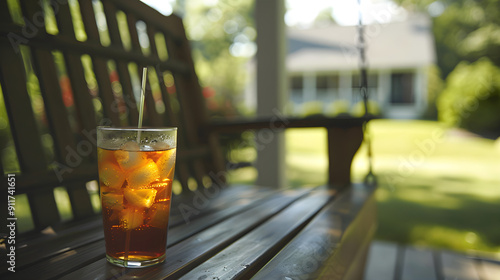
(465, 30)
(222, 34)
(472, 97)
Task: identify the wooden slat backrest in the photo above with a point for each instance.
(24, 129)
(78, 194)
(118, 104)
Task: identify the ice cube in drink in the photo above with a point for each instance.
(135, 191)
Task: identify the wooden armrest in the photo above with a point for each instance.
(345, 135)
(280, 122)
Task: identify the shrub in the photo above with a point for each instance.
(471, 98)
(358, 110)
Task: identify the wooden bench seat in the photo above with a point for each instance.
(300, 233)
(216, 230)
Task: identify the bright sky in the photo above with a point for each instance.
(303, 13)
(345, 12)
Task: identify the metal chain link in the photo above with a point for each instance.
(363, 65)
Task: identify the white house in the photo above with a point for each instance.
(323, 65)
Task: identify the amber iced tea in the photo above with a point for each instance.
(136, 183)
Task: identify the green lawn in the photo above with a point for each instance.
(437, 187)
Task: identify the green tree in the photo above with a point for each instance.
(222, 35)
(472, 97)
(465, 30)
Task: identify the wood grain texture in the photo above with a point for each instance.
(343, 143)
(488, 269)
(79, 197)
(326, 248)
(245, 256)
(458, 267)
(381, 268)
(418, 264)
(63, 253)
(43, 207)
(222, 202)
(199, 247)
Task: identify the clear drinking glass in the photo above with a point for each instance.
(136, 169)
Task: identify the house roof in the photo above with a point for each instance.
(395, 45)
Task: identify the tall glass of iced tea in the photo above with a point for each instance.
(136, 169)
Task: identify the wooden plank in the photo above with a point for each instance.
(253, 250)
(488, 270)
(172, 118)
(63, 136)
(182, 232)
(146, 13)
(55, 109)
(418, 264)
(77, 192)
(188, 89)
(83, 100)
(280, 121)
(111, 114)
(113, 30)
(328, 247)
(193, 114)
(378, 267)
(89, 22)
(46, 179)
(227, 203)
(4, 13)
(48, 41)
(42, 204)
(457, 267)
(128, 93)
(357, 269)
(398, 270)
(93, 248)
(132, 29)
(121, 65)
(18, 105)
(213, 200)
(105, 92)
(343, 143)
(152, 116)
(100, 65)
(191, 252)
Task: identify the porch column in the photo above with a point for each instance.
(272, 90)
(309, 86)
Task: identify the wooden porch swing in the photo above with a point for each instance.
(231, 232)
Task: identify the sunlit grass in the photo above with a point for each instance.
(438, 187)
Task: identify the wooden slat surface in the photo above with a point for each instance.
(18, 105)
(488, 270)
(381, 268)
(327, 247)
(242, 230)
(458, 267)
(100, 65)
(423, 263)
(227, 201)
(60, 250)
(418, 264)
(42, 205)
(199, 247)
(81, 205)
(245, 256)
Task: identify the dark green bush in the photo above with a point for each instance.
(471, 98)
